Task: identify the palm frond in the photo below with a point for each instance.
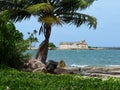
(64, 6)
(37, 1)
(7, 5)
(78, 19)
(40, 8)
(15, 8)
(67, 5)
(42, 29)
(13, 4)
(83, 4)
(19, 15)
(50, 20)
(54, 2)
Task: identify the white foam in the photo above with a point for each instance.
(74, 65)
(113, 65)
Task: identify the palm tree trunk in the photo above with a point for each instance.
(43, 48)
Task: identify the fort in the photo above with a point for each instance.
(73, 45)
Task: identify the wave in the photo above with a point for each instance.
(112, 65)
(81, 66)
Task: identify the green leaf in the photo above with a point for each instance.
(40, 8)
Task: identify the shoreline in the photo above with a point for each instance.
(53, 67)
(99, 48)
(95, 71)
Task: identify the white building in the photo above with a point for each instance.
(73, 45)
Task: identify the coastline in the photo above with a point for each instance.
(103, 71)
(95, 71)
(99, 48)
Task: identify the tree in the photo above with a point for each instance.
(12, 45)
(50, 12)
(51, 45)
(35, 32)
(32, 38)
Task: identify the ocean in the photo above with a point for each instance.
(83, 58)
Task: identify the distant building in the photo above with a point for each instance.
(73, 45)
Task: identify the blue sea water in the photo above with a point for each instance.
(81, 58)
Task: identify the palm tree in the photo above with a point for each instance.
(49, 12)
(32, 38)
(28, 33)
(35, 37)
(34, 32)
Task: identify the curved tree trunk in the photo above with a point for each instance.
(43, 48)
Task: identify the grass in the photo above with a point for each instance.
(18, 80)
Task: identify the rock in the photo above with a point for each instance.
(64, 71)
(51, 65)
(61, 64)
(61, 71)
(34, 65)
(40, 70)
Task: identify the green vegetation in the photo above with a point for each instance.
(92, 47)
(51, 46)
(49, 13)
(32, 39)
(18, 80)
(12, 45)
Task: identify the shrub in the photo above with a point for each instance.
(12, 44)
(51, 45)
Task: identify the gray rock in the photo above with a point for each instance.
(61, 64)
(51, 65)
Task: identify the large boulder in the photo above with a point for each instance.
(51, 65)
(35, 65)
(61, 64)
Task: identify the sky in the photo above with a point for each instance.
(107, 33)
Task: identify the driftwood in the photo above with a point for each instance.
(34, 65)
